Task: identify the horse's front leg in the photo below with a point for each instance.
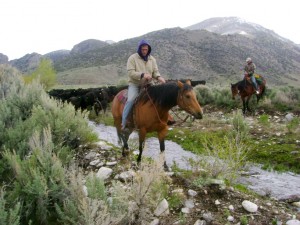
(244, 106)
(161, 137)
(247, 104)
(142, 137)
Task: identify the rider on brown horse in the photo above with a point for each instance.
(249, 71)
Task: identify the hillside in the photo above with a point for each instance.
(196, 54)
(213, 50)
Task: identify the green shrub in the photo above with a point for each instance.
(240, 127)
(204, 94)
(264, 120)
(25, 109)
(95, 187)
(224, 156)
(39, 180)
(244, 220)
(9, 216)
(293, 124)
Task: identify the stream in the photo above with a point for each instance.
(272, 183)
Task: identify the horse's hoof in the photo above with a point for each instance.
(125, 152)
(171, 122)
(166, 168)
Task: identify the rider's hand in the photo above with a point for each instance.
(147, 76)
(161, 80)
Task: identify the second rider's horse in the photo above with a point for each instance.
(245, 89)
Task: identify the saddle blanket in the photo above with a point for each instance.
(122, 96)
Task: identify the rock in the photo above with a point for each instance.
(249, 206)
(231, 208)
(290, 198)
(200, 222)
(104, 173)
(289, 117)
(189, 203)
(185, 210)
(293, 222)
(208, 217)
(297, 204)
(90, 156)
(154, 222)
(127, 175)
(192, 193)
(230, 218)
(95, 162)
(162, 208)
(111, 163)
(100, 164)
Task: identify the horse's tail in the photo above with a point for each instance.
(263, 91)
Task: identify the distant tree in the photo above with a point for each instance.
(122, 82)
(45, 73)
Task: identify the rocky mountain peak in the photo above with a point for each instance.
(234, 25)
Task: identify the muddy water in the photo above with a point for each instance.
(278, 185)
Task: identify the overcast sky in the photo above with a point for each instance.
(44, 26)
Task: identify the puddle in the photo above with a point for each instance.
(278, 185)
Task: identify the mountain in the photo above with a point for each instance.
(213, 50)
(88, 45)
(234, 25)
(57, 55)
(27, 63)
(3, 59)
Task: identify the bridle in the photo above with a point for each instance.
(185, 106)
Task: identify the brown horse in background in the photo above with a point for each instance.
(245, 89)
(151, 110)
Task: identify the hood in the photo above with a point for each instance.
(141, 43)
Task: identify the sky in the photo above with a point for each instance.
(43, 26)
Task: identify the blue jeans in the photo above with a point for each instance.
(254, 82)
(133, 91)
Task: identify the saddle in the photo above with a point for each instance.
(258, 78)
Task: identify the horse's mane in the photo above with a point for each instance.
(164, 95)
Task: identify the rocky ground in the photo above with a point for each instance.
(215, 203)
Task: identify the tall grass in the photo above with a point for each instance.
(222, 158)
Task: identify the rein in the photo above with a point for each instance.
(181, 120)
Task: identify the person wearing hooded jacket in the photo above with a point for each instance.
(140, 66)
(249, 70)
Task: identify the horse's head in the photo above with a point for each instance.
(234, 90)
(187, 100)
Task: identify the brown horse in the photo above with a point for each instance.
(151, 110)
(245, 89)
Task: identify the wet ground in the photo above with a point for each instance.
(271, 183)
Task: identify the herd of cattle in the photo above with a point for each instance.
(93, 98)
(86, 99)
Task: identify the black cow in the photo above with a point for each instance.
(193, 82)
